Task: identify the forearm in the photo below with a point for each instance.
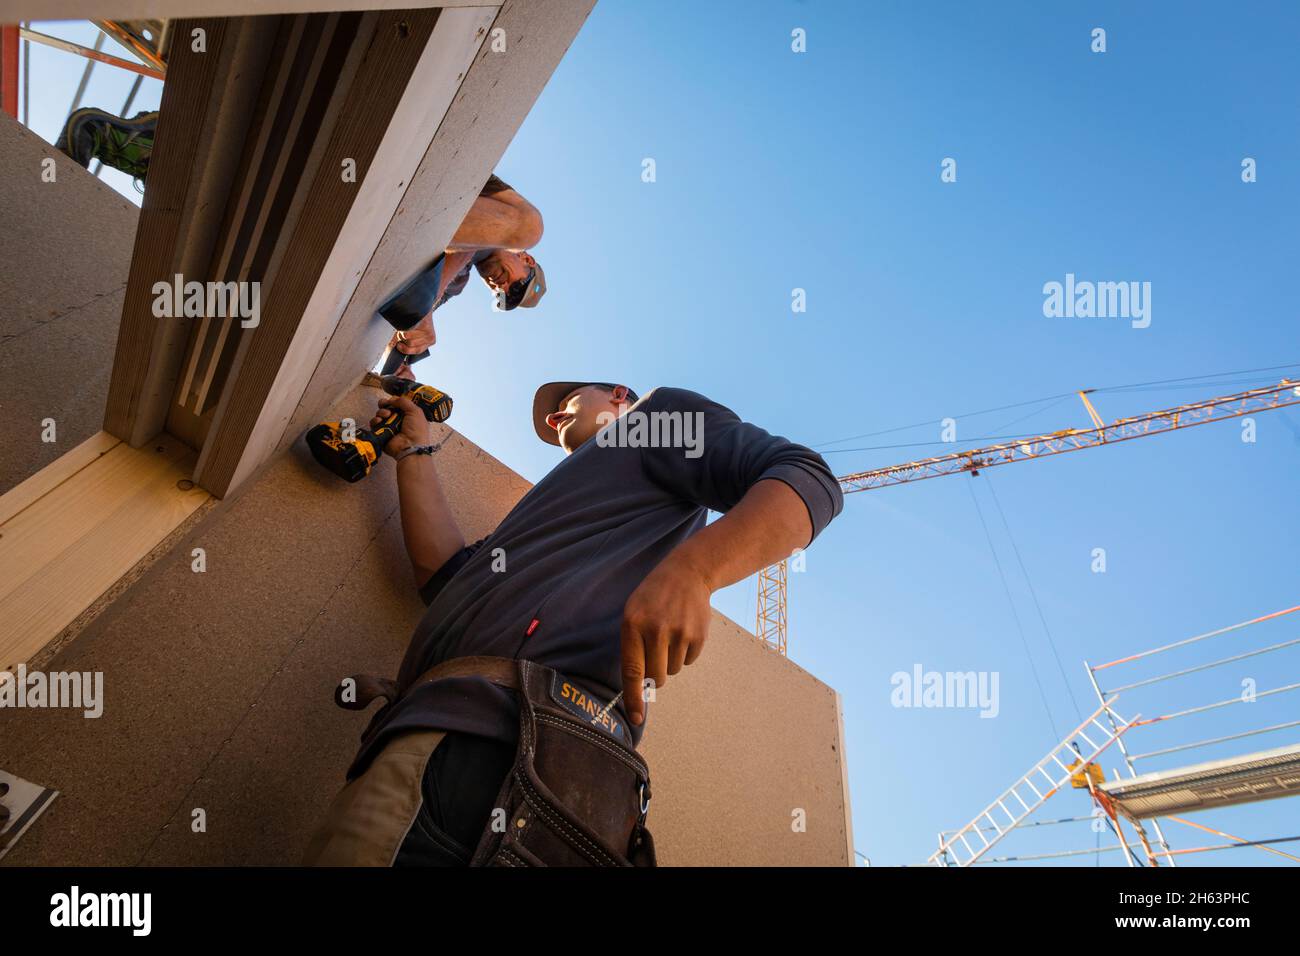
(428, 527)
(454, 262)
(764, 527)
(666, 619)
(504, 220)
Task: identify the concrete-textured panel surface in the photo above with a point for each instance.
(744, 752)
(218, 693)
(65, 250)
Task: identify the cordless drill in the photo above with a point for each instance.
(352, 460)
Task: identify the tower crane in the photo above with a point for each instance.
(772, 581)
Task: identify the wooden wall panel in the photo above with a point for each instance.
(201, 126)
(408, 77)
(65, 251)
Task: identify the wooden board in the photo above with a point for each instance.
(319, 53)
(61, 550)
(411, 71)
(54, 474)
(202, 122)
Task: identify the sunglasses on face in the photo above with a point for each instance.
(516, 291)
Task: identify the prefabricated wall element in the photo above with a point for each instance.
(197, 147)
(747, 755)
(218, 682)
(64, 255)
(408, 75)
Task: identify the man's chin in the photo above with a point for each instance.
(571, 439)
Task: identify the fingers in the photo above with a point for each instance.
(677, 654)
(693, 652)
(414, 343)
(394, 402)
(656, 658)
(643, 657)
(664, 627)
(400, 402)
(633, 654)
(417, 338)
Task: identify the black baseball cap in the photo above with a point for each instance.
(548, 399)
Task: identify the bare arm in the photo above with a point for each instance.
(422, 335)
(428, 527)
(666, 620)
(504, 220)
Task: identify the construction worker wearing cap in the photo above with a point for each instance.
(492, 238)
(595, 586)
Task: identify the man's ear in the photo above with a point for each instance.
(620, 394)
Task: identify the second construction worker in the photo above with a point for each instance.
(491, 239)
(509, 737)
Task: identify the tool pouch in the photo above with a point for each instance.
(575, 796)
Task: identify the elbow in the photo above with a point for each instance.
(527, 231)
(422, 575)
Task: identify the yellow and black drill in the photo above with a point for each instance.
(352, 458)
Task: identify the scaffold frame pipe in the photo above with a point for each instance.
(1192, 640)
(1216, 740)
(1239, 699)
(1203, 667)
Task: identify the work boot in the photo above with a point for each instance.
(124, 144)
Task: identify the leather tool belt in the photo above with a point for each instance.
(576, 795)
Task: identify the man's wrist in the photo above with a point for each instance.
(412, 451)
(685, 561)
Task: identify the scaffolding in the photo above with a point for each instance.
(146, 40)
(1146, 797)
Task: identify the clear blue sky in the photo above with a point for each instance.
(821, 171)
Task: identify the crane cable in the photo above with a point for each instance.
(1056, 735)
(1034, 594)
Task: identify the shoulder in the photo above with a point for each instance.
(669, 398)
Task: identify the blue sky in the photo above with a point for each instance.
(821, 171)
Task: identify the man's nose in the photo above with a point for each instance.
(556, 419)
